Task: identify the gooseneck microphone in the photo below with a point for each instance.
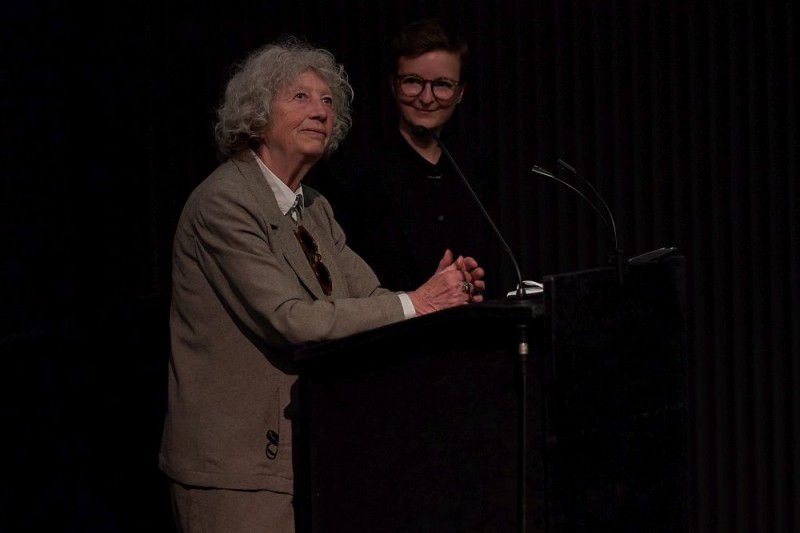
(605, 213)
(422, 132)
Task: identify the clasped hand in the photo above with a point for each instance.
(456, 282)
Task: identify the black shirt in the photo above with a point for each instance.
(400, 212)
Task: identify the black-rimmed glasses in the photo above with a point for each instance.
(311, 249)
(412, 86)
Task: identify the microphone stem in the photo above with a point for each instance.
(607, 217)
(613, 228)
(507, 248)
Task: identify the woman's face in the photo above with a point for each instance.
(302, 120)
(427, 109)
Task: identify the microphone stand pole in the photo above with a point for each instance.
(522, 474)
(522, 477)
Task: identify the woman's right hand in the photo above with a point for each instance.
(449, 286)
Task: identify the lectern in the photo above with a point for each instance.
(564, 412)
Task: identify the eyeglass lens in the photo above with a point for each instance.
(443, 89)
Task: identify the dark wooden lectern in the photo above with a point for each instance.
(418, 426)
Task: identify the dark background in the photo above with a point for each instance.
(682, 114)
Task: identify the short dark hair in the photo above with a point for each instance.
(427, 35)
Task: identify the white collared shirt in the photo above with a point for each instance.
(283, 194)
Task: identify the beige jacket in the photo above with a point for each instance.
(243, 299)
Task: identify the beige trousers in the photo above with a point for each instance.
(210, 510)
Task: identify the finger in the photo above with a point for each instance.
(445, 261)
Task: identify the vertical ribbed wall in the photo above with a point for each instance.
(683, 114)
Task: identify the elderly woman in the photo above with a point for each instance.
(260, 266)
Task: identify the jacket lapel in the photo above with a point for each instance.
(281, 227)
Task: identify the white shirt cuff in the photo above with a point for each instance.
(408, 307)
